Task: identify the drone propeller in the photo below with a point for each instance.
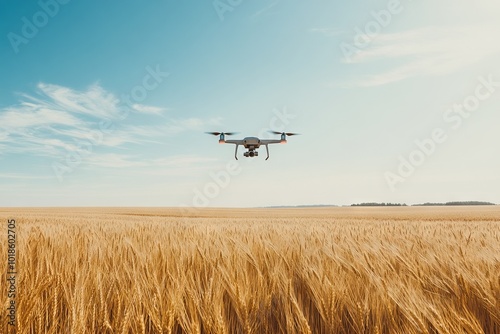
(284, 133)
(221, 133)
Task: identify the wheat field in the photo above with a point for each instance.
(313, 270)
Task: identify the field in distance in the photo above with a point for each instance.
(297, 270)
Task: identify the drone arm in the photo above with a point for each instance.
(234, 141)
(236, 152)
(270, 141)
(267, 150)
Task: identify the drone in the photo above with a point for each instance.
(251, 143)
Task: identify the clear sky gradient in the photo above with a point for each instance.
(106, 103)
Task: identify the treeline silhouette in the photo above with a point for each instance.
(425, 204)
(457, 203)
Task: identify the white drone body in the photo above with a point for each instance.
(251, 143)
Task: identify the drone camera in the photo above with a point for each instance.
(251, 154)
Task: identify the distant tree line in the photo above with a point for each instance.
(425, 204)
(456, 203)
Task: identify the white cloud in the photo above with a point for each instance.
(426, 52)
(56, 119)
(148, 109)
(265, 10)
(95, 101)
(29, 115)
(22, 176)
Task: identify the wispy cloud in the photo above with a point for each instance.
(148, 109)
(425, 52)
(55, 120)
(265, 10)
(31, 115)
(94, 101)
(21, 176)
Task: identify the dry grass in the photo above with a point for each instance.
(342, 270)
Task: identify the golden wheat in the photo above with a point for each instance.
(340, 270)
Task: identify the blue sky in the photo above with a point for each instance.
(106, 104)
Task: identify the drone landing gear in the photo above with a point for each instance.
(250, 153)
